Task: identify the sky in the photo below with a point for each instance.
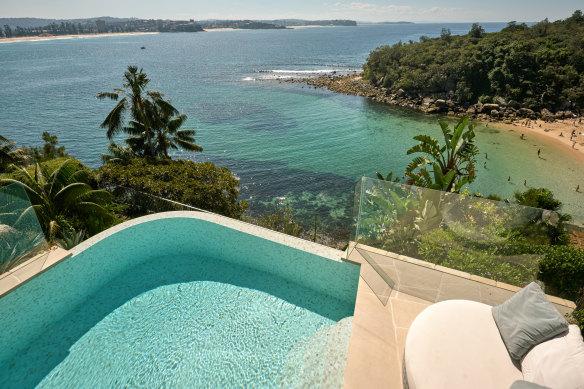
(366, 10)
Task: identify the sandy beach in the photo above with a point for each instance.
(53, 37)
(222, 29)
(549, 132)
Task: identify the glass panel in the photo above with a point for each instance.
(21, 236)
(406, 234)
(140, 203)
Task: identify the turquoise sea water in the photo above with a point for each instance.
(287, 142)
(171, 303)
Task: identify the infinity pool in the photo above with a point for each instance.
(173, 300)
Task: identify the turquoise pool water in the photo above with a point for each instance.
(177, 302)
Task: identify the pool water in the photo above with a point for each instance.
(182, 319)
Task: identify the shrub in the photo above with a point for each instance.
(281, 221)
(202, 185)
(562, 270)
(578, 317)
(446, 248)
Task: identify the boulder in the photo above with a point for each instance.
(513, 104)
(441, 103)
(546, 114)
(494, 113)
(501, 101)
(433, 109)
(427, 101)
(527, 113)
(400, 93)
(564, 115)
(489, 107)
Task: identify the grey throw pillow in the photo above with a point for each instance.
(527, 319)
(526, 385)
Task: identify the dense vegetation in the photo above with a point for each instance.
(64, 197)
(539, 67)
(202, 185)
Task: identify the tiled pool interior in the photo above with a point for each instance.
(172, 302)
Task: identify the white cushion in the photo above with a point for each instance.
(456, 344)
(558, 362)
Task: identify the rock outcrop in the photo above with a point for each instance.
(500, 110)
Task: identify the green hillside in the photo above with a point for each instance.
(541, 66)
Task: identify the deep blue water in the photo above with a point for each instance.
(287, 142)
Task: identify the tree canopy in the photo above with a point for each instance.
(202, 185)
(541, 66)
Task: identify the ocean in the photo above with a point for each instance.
(287, 142)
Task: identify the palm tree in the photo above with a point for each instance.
(64, 197)
(10, 155)
(135, 99)
(155, 123)
(118, 153)
(169, 135)
(452, 164)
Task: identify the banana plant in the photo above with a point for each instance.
(452, 164)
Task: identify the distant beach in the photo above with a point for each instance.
(222, 29)
(550, 132)
(54, 37)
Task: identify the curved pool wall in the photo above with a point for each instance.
(53, 305)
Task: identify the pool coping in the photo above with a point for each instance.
(238, 225)
(14, 278)
(26, 271)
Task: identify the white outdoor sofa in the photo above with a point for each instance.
(456, 344)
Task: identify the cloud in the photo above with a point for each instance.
(362, 6)
(392, 12)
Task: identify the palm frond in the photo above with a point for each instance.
(113, 121)
(107, 95)
(71, 194)
(61, 176)
(190, 146)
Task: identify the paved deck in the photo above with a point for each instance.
(384, 315)
(378, 338)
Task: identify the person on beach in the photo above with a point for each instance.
(577, 188)
(522, 136)
(538, 152)
(508, 178)
(524, 182)
(574, 145)
(561, 134)
(485, 165)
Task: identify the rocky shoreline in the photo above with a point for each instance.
(503, 111)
